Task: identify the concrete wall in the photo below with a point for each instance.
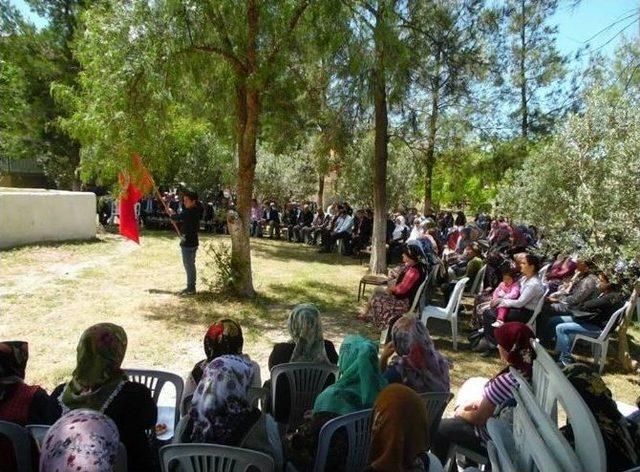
(36, 215)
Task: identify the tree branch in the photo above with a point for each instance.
(293, 23)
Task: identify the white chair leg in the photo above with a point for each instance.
(604, 347)
(454, 333)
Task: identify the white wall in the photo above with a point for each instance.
(37, 215)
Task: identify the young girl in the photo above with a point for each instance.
(509, 288)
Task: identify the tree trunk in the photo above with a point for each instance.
(320, 197)
(247, 116)
(378, 263)
(429, 161)
(626, 363)
(523, 72)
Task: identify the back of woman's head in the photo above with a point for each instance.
(82, 440)
(13, 360)
(534, 261)
(305, 329)
(400, 430)
(223, 337)
(100, 353)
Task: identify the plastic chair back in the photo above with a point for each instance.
(418, 296)
(20, 441)
(436, 402)
(306, 381)
(495, 460)
(155, 380)
(477, 281)
(358, 429)
(613, 322)
(38, 431)
(550, 386)
(542, 273)
(213, 458)
(532, 321)
(257, 396)
(456, 297)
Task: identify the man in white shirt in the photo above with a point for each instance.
(342, 229)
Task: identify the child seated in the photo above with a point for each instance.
(509, 288)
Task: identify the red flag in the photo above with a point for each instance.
(128, 200)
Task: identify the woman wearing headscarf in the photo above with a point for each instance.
(399, 446)
(307, 345)
(19, 403)
(356, 389)
(621, 436)
(220, 412)
(394, 300)
(81, 441)
(223, 337)
(417, 363)
(99, 383)
(468, 426)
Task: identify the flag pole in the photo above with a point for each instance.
(166, 208)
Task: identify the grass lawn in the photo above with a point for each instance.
(49, 294)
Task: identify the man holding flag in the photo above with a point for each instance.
(136, 182)
(190, 218)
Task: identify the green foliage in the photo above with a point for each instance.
(355, 175)
(583, 187)
(283, 177)
(218, 275)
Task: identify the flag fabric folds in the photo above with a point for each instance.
(134, 183)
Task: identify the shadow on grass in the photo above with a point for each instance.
(57, 244)
(284, 251)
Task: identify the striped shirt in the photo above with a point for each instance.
(498, 391)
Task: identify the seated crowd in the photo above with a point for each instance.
(98, 408)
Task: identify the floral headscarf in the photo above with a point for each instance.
(621, 436)
(13, 363)
(360, 379)
(515, 338)
(420, 365)
(219, 407)
(98, 376)
(305, 329)
(223, 337)
(81, 441)
(395, 444)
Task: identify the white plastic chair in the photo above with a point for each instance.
(536, 435)
(450, 312)
(213, 458)
(257, 396)
(436, 402)
(358, 429)
(155, 380)
(477, 282)
(550, 386)
(600, 345)
(434, 463)
(495, 459)
(20, 441)
(537, 310)
(306, 381)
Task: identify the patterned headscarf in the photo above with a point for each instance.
(400, 429)
(98, 376)
(80, 441)
(515, 338)
(223, 337)
(305, 329)
(13, 363)
(360, 379)
(420, 365)
(219, 407)
(621, 436)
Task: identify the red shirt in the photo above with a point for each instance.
(407, 284)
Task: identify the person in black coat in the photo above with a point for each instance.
(98, 383)
(190, 218)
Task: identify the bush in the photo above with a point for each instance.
(218, 274)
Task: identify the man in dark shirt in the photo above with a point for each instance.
(190, 219)
(305, 220)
